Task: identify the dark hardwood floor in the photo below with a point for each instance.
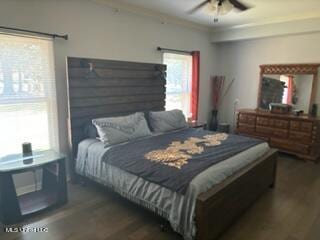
(291, 211)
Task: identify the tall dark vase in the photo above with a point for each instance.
(213, 126)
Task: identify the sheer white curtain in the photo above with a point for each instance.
(28, 111)
(179, 76)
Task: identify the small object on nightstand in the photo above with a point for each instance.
(314, 110)
(223, 127)
(26, 149)
(297, 112)
(27, 153)
(196, 124)
(15, 208)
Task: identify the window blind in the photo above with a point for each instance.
(179, 76)
(28, 111)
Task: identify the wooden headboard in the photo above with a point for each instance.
(104, 88)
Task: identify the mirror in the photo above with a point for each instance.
(288, 84)
(294, 90)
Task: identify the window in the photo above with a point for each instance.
(27, 94)
(179, 77)
(285, 79)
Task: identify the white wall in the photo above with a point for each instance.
(241, 60)
(99, 32)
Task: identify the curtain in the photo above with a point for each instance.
(290, 89)
(195, 85)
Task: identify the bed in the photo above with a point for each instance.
(214, 198)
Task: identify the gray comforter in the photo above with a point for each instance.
(131, 157)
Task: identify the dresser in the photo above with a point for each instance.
(298, 135)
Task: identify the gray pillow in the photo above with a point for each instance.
(90, 131)
(165, 121)
(115, 130)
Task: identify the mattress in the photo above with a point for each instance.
(178, 209)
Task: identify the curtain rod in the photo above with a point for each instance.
(65, 37)
(173, 50)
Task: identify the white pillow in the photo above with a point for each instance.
(115, 130)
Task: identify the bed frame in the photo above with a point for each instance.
(103, 88)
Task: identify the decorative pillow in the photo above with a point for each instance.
(165, 121)
(90, 131)
(121, 129)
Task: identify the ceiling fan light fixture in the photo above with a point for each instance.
(210, 8)
(219, 7)
(224, 8)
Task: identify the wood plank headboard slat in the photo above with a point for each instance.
(115, 91)
(80, 83)
(98, 101)
(112, 64)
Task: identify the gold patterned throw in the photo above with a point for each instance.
(178, 153)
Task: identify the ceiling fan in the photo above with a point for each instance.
(220, 7)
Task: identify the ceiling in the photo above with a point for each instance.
(263, 11)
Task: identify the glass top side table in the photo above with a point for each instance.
(53, 193)
(16, 162)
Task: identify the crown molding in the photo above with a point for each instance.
(163, 18)
(272, 20)
(266, 30)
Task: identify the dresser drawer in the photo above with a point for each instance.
(281, 123)
(306, 127)
(262, 121)
(290, 146)
(300, 137)
(264, 130)
(273, 132)
(295, 125)
(281, 133)
(245, 128)
(269, 122)
(302, 126)
(248, 119)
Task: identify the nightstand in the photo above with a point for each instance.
(15, 208)
(197, 125)
(223, 127)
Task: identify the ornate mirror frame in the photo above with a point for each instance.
(280, 69)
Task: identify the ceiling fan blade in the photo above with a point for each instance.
(200, 5)
(239, 5)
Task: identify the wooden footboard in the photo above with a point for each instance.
(219, 207)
